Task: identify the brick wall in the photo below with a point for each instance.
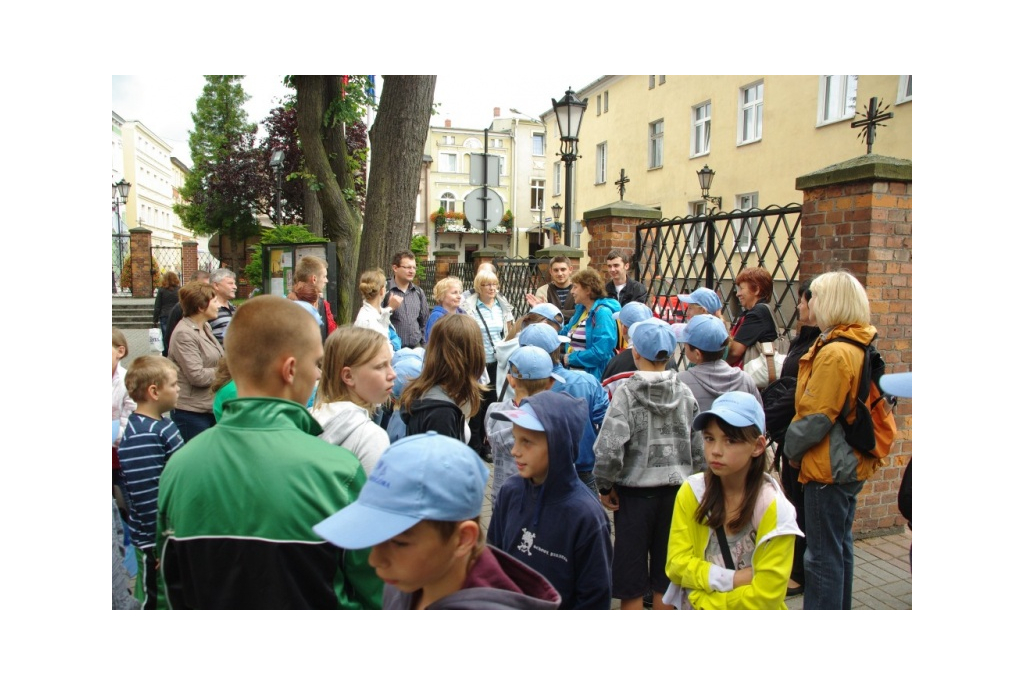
(858, 216)
(142, 261)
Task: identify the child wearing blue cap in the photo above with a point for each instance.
(733, 530)
(704, 341)
(420, 513)
(547, 518)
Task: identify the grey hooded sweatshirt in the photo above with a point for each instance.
(708, 381)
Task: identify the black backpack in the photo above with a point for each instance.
(873, 429)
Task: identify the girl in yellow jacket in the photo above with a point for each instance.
(735, 500)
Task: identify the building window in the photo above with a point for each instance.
(538, 143)
(751, 113)
(697, 239)
(837, 98)
(495, 143)
(598, 105)
(577, 231)
(601, 163)
(536, 194)
(661, 80)
(557, 176)
(745, 231)
(501, 166)
(448, 202)
(650, 82)
(700, 144)
(447, 140)
(447, 163)
(606, 100)
(906, 91)
(656, 136)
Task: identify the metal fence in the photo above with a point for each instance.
(166, 259)
(676, 256)
(516, 277)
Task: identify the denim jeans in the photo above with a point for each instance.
(190, 423)
(828, 562)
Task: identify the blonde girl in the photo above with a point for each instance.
(733, 530)
(448, 389)
(356, 378)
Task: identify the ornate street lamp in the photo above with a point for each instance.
(569, 114)
(704, 177)
(556, 212)
(277, 164)
(119, 194)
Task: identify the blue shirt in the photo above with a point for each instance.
(145, 448)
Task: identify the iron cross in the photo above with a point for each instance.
(621, 183)
(872, 118)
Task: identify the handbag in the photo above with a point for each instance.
(763, 373)
(156, 340)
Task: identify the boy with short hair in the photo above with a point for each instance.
(704, 341)
(530, 371)
(149, 441)
(547, 518)
(645, 451)
(420, 512)
(238, 502)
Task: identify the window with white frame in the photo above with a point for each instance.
(495, 143)
(447, 163)
(557, 176)
(536, 194)
(577, 231)
(538, 143)
(697, 238)
(501, 165)
(745, 229)
(598, 105)
(837, 98)
(601, 163)
(447, 140)
(606, 100)
(905, 93)
(700, 142)
(448, 202)
(656, 141)
(751, 113)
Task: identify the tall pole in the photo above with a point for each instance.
(484, 199)
(569, 159)
(278, 210)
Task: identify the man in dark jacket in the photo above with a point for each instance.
(622, 287)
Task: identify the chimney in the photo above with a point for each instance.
(447, 123)
(497, 112)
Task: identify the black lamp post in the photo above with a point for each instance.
(119, 194)
(569, 113)
(704, 177)
(277, 163)
(556, 212)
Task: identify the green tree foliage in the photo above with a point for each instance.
(228, 183)
(418, 246)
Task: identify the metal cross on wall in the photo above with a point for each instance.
(872, 118)
(621, 183)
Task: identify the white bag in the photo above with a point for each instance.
(156, 340)
(758, 369)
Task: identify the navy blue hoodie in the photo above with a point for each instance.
(558, 528)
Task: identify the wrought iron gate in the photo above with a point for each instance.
(675, 256)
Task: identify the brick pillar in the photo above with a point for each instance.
(614, 226)
(141, 240)
(444, 260)
(857, 216)
(189, 260)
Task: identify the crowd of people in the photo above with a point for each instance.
(318, 465)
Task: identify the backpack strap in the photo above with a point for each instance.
(865, 374)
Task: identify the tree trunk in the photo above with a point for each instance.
(326, 155)
(396, 143)
(312, 215)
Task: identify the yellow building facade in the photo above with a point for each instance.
(758, 134)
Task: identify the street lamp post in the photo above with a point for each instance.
(119, 194)
(704, 177)
(277, 163)
(569, 113)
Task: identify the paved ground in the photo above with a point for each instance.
(882, 577)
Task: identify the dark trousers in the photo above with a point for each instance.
(476, 422)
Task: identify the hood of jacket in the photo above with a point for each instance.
(855, 331)
(340, 420)
(561, 414)
(656, 391)
(718, 377)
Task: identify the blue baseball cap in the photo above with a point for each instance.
(407, 363)
(549, 312)
(705, 297)
(532, 364)
(543, 336)
(652, 339)
(705, 332)
(426, 477)
(736, 408)
(523, 416)
(633, 312)
(897, 384)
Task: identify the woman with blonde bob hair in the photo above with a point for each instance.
(448, 389)
(356, 379)
(372, 314)
(831, 471)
